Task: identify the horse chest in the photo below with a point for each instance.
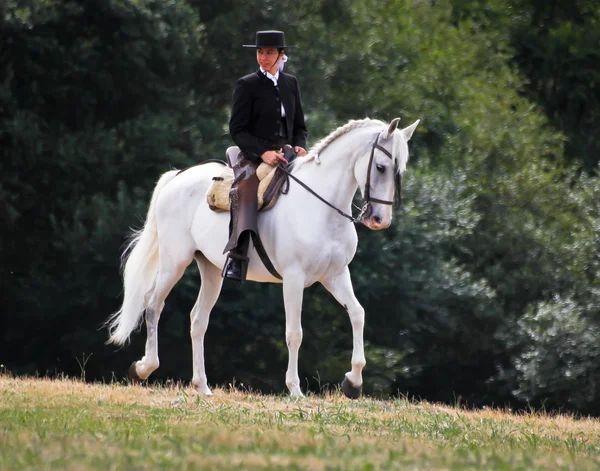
(326, 255)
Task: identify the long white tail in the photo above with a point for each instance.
(139, 276)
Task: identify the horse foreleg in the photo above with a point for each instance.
(209, 293)
(340, 286)
(165, 281)
(293, 291)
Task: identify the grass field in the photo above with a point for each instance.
(67, 424)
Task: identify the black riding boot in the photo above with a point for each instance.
(238, 259)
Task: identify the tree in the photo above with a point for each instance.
(94, 98)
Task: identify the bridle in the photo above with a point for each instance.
(367, 199)
(365, 207)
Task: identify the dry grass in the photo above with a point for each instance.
(68, 424)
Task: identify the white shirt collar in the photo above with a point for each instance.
(273, 78)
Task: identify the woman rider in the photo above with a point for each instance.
(266, 119)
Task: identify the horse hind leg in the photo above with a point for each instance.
(209, 293)
(340, 286)
(169, 273)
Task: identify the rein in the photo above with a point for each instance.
(366, 202)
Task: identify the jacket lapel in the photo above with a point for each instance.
(287, 99)
(261, 77)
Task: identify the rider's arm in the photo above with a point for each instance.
(239, 123)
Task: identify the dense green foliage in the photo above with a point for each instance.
(486, 287)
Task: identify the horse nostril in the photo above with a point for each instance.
(376, 219)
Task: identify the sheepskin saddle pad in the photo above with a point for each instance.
(270, 187)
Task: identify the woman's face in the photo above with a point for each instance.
(267, 58)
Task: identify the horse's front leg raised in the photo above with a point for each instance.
(340, 286)
(293, 291)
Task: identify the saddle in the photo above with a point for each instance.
(271, 185)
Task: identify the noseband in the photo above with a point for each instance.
(365, 209)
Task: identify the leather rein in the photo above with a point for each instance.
(365, 207)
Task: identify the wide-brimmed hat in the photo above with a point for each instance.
(269, 39)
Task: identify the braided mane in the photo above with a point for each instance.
(349, 126)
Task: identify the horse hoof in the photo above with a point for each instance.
(351, 391)
(133, 376)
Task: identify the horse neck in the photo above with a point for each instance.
(334, 177)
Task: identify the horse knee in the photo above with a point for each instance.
(293, 338)
(198, 328)
(357, 318)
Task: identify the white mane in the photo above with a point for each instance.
(316, 149)
(349, 126)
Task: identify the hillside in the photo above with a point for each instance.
(68, 424)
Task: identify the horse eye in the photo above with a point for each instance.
(380, 168)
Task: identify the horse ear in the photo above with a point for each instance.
(408, 131)
(392, 127)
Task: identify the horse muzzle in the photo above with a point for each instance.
(376, 222)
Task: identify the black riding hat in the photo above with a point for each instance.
(269, 39)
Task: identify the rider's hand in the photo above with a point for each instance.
(300, 151)
(273, 158)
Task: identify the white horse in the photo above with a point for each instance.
(306, 240)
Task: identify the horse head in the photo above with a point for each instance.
(383, 163)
